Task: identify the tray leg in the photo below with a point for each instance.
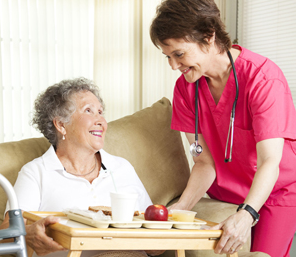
(74, 253)
(180, 253)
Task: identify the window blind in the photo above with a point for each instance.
(268, 27)
(42, 42)
(116, 51)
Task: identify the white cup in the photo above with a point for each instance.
(123, 206)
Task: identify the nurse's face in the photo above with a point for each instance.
(187, 57)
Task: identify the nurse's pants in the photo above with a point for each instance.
(274, 232)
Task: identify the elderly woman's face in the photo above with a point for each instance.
(187, 57)
(87, 126)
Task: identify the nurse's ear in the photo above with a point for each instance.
(211, 40)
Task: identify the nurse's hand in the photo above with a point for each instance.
(236, 230)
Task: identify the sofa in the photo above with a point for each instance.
(157, 153)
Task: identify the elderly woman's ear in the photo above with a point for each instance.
(60, 126)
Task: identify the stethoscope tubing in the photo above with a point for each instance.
(196, 110)
(236, 84)
(196, 145)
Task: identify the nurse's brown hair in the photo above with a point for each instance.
(192, 20)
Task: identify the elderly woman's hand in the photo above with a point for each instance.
(37, 239)
(236, 230)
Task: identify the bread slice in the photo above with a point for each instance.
(106, 210)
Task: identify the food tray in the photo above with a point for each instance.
(137, 222)
(102, 223)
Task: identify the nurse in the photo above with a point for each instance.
(261, 175)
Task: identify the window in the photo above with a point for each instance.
(42, 42)
(267, 27)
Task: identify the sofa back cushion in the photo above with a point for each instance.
(144, 138)
(156, 151)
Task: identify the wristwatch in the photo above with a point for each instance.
(249, 209)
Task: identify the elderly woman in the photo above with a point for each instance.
(72, 173)
(251, 161)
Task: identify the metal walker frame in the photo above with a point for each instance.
(16, 228)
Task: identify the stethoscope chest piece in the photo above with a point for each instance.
(195, 149)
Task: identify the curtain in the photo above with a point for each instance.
(131, 72)
(45, 41)
(42, 42)
(116, 56)
(268, 27)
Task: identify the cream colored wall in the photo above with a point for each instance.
(131, 72)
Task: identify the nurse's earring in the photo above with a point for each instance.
(63, 137)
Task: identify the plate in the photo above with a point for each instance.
(196, 224)
(120, 224)
(103, 224)
(138, 221)
(155, 224)
(87, 220)
(158, 225)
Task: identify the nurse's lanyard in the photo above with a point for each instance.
(196, 148)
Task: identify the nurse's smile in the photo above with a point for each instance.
(185, 71)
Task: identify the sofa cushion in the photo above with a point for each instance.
(156, 152)
(13, 156)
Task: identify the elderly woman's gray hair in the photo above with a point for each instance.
(57, 102)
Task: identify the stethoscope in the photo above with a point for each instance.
(196, 148)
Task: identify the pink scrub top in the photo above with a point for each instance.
(264, 110)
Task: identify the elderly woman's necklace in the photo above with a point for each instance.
(80, 175)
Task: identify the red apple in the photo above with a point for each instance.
(156, 212)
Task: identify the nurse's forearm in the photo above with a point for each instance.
(269, 153)
(201, 178)
(263, 183)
